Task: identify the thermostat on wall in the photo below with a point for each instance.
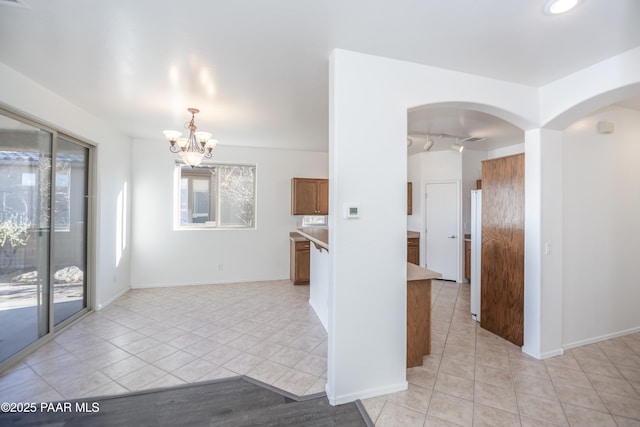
(351, 211)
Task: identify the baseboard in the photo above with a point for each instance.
(102, 305)
(221, 282)
(365, 394)
(553, 353)
(601, 338)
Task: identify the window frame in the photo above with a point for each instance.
(214, 197)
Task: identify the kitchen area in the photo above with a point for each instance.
(309, 264)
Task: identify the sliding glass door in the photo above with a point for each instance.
(44, 190)
(70, 230)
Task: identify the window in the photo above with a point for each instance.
(221, 196)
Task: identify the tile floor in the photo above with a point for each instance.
(474, 378)
(162, 337)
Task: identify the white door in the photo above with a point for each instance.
(442, 228)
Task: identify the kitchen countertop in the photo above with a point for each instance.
(318, 235)
(297, 237)
(415, 272)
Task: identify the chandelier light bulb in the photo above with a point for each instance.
(195, 147)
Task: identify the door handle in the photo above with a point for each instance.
(452, 237)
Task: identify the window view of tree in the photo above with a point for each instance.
(217, 196)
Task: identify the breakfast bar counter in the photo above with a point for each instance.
(418, 294)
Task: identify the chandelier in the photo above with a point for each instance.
(194, 148)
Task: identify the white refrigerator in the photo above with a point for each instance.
(476, 252)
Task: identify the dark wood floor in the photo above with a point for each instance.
(237, 401)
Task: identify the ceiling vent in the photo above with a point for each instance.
(473, 139)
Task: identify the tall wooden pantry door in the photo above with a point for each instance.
(502, 270)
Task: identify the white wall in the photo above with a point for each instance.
(506, 151)
(367, 311)
(192, 257)
(601, 228)
(113, 170)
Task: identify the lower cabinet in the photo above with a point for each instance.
(413, 250)
(300, 261)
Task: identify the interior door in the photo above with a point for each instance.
(502, 282)
(442, 220)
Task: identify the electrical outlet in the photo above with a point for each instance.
(220, 267)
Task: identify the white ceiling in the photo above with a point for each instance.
(258, 70)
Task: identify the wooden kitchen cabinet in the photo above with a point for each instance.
(300, 252)
(413, 249)
(309, 196)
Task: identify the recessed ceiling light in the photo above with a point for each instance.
(556, 7)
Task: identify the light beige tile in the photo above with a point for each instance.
(296, 382)
(268, 372)
(609, 385)
(457, 368)
(500, 377)
(529, 368)
(82, 386)
(201, 347)
(243, 363)
(454, 386)
(311, 364)
(450, 408)
(288, 356)
(622, 405)
(373, 406)
(393, 415)
(534, 385)
(422, 376)
(541, 409)
(136, 380)
(496, 397)
(221, 355)
(166, 380)
(193, 371)
(110, 389)
(579, 416)
(175, 361)
(626, 422)
(244, 342)
(600, 367)
(317, 387)
(266, 349)
(17, 375)
(586, 398)
(218, 373)
(565, 361)
(156, 353)
(488, 416)
(63, 362)
(532, 422)
(415, 397)
(123, 367)
(26, 391)
(568, 376)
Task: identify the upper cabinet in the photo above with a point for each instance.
(309, 196)
(409, 198)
